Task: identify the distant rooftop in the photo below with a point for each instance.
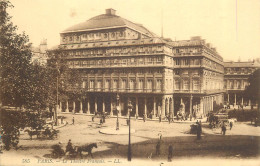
(241, 64)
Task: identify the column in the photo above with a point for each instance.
(80, 109)
(111, 106)
(103, 105)
(201, 106)
(67, 106)
(145, 107)
(136, 106)
(228, 97)
(235, 99)
(168, 107)
(191, 105)
(88, 105)
(60, 109)
(249, 102)
(95, 104)
(212, 101)
(242, 101)
(154, 108)
(172, 108)
(73, 109)
(163, 107)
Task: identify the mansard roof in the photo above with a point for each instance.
(107, 21)
(242, 64)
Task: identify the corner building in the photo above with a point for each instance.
(117, 56)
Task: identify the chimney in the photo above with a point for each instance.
(110, 11)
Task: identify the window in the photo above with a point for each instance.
(177, 51)
(123, 84)
(132, 84)
(113, 35)
(105, 35)
(99, 83)
(186, 61)
(115, 84)
(141, 84)
(177, 62)
(107, 84)
(84, 84)
(91, 84)
(159, 84)
(71, 38)
(150, 84)
(195, 85)
(177, 85)
(185, 84)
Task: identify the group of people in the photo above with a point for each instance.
(158, 149)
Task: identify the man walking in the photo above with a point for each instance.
(73, 120)
(158, 147)
(224, 129)
(170, 153)
(231, 125)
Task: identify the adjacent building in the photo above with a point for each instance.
(39, 54)
(159, 76)
(236, 80)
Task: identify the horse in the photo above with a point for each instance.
(86, 148)
(32, 133)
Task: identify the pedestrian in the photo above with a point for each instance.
(170, 153)
(100, 121)
(231, 125)
(160, 119)
(73, 120)
(136, 117)
(224, 129)
(144, 118)
(69, 147)
(199, 130)
(93, 118)
(169, 119)
(104, 119)
(158, 147)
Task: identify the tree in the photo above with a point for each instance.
(15, 63)
(21, 82)
(252, 91)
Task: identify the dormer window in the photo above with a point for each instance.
(113, 34)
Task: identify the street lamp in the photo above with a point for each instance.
(57, 96)
(117, 110)
(130, 107)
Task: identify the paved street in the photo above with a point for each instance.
(240, 142)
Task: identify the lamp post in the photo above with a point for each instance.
(117, 110)
(57, 96)
(130, 107)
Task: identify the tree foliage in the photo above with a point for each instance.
(15, 64)
(253, 89)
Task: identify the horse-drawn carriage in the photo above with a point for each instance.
(46, 133)
(216, 120)
(58, 152)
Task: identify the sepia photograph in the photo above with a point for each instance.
(129, 82)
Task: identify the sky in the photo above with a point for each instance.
(232, 26)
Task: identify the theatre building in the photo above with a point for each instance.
(236, 80)
(159, 76)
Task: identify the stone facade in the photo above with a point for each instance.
(236, 80)
(159, 76)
